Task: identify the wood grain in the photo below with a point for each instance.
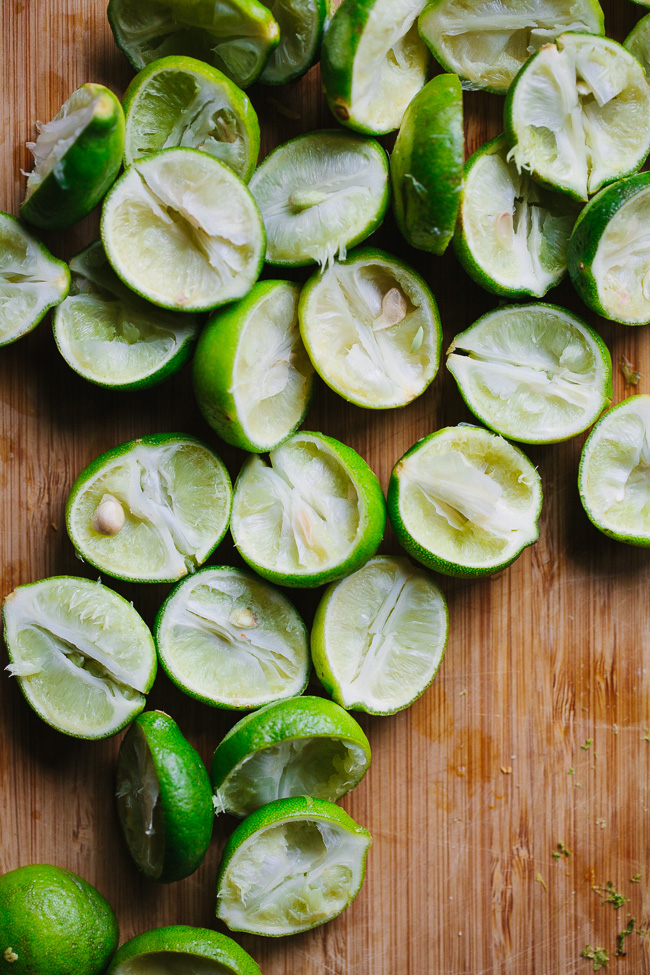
(473, 787)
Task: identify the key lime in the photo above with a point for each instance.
(465, 502)
(181, 950)
(609, 252)
(373, 62)
(304, 746)
(379, 636)
(235, 36)
(231, 640)
(150, 510)
(486, 43)
(77, 157)
(113, 338)
(252, 377)
(164, 798)
(577, 112)
(319, 195)
(533, 373)
(372, 330)
(53, 922)
(638, 42)
(31, 280)
(512, 234)
(313, 514)
(613, 477)
(180, 101)
(181, 230)
(426, 165)
(301, 24)
(290, 866)
(83, 657)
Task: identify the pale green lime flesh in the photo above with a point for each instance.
(621, 265)
(638, 42)
(139, 803)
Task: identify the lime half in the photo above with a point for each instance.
(290, 866)
(313, 514)
(113, 338)
(577, 114)
(181, 950)
(465, 502)
(180, 101)
(372, 330)
(231, 640)
(301, 25)
(379, 636)
(613, 478)
(533, 373)
(164, 799)
(637, 42)
(182, 230)
(76, 158)
(486, 43)
(304, 746)
(319, 195)
(252, 377)
(83, 657)
(150, 510)
(31, 280)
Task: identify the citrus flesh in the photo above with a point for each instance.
(638, 42)
(83, 657)
(301, 29)
(181, 950)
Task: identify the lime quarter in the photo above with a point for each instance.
(179, 950)
(301, 25)
(637, 42)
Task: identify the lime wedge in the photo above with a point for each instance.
(83, 657)
(301, 24)
(181, 950)
(180, 101)
(304, 746)
(609, 252)
(252, 377)
(379, 636)
(31, 280)
(486, 43)
(235, 36)
(512, 235)
(314, 514)
(113, 338)
(613, 477)
(426, 165)
(290, 866)
(373, 62)
(319, 195)
(164, 799)
(77, 156)
(372, 330)
(232, 641)
(150, 510)
(577, 114)
(638, 42)
(533, 373)
(181, 230)
(465, 502)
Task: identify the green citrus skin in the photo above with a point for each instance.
(180, 943)
(53, 922)
(85, 172)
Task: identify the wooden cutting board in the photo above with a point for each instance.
(536, 730)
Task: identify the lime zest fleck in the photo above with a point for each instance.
(561, 851)
(609, 895)
(630, 375)
(635, 879)
(540, 880)
(587, 745)
(621, 936)
(599, 956)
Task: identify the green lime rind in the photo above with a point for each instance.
(43, 280)
(181, 101)
(426, 165)
(301, 32)
(113, 689)
(550, 363)
(234, 369)
(590, 233)
(612, 476)
(637, 41)
(297, 723)
(76, 180)
(53, 922)
(182, 798)
(284, 813)
(179, 944)
(243, 37)
(520, 476)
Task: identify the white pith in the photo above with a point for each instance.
(621, 266)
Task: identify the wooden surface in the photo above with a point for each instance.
(473, 787)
